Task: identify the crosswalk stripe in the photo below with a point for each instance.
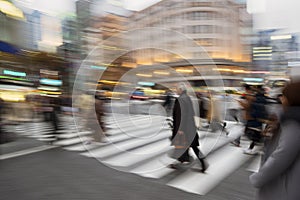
(126, 159)
(116, 148)
(140, 144)
(222, 164)
(157, 169)
(83, 147)
(74, 134)
(72, 141)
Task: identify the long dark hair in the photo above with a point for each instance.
(292, 93)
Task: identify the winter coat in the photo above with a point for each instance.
(279, 176)
(183, 120)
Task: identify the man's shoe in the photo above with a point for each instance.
(204, 165)
(173, 166)
(235, 143)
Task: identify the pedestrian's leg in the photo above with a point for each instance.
(236, 142)
(201, 158)
(185, 157)
(252, 145)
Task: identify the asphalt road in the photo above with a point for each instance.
(58, 174)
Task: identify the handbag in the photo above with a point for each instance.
(180, 141)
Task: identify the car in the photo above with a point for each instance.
(138, 94)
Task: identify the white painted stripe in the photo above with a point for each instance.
(84, 147)
(126, 159)
(157, 168)
(26, 152)
(114, 119)
(128, 118)
(136, 133)
(255, 164)
(46, 139)
(131, 121)
(159, 125)
(72, 141)
(72, 135)
(124, 146)
(221, 165)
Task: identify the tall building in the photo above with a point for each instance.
(104, 22)
(83, 13)
(221, 27)
(33, 34)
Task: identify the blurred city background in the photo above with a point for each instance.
(56, 56)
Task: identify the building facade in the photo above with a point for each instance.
(222, 28)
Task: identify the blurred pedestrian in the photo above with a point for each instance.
(214, 115)
(184, 134)
(85, 103)
(100, 113)
(168, 102)
(253, 106)
(1, 119)
(279, 175)
(54, 115)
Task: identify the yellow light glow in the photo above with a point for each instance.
(108, 64)
(48, 92)
(161, 72)
(238, 71)
(10, 97)
(162, 59)
(184, 70)
(144, 75)
(128, 64)
(113, 82)
(11, 10)
(145, 62)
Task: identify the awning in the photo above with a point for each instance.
(9, 48)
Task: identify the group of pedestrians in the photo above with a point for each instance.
(279, 174)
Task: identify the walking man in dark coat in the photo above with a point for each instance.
(184, 123)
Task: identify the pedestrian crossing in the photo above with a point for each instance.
(140, 144)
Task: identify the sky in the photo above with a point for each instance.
(139, 4)
(54, 7)
(267, 13)
(276, 14)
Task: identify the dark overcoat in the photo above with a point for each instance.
(183, 120)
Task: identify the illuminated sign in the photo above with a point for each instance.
(98, 67)
(46, 81)
(11, 10)
(13, 73)
(253, 79)
(146, 83)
